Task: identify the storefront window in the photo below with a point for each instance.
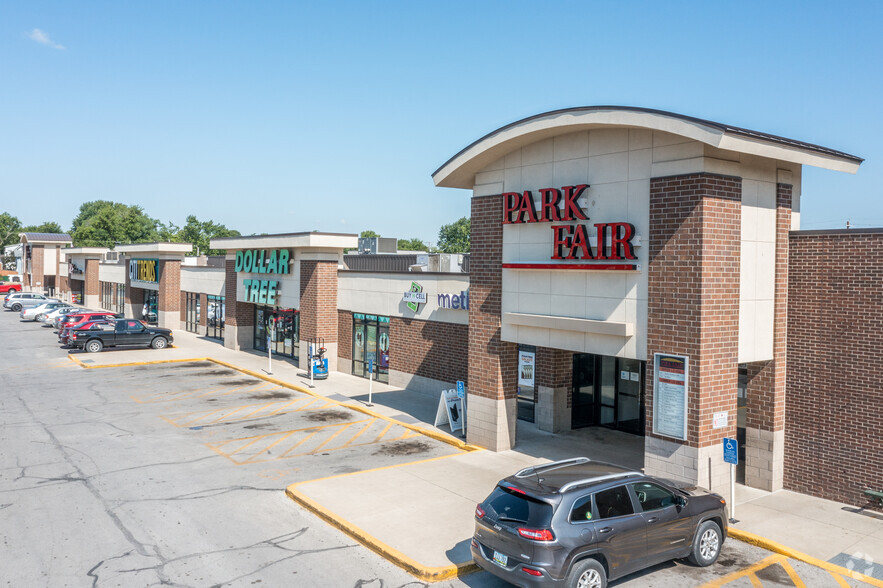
(280, 328)
(150, 310)
(215, 317)
(121, 299)
(107, 295)
(191, 312)
(371, 346)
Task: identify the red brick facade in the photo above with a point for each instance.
(345, 334)
(169, 296)
(555, 370)
(318, 300)
(91, 271)
(693, 307)
(238, 314)
(430, 349)
(834, 419)
(492, 362)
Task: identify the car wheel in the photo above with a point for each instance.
(589, 573)
(94, 346)
(706, 545)
(16, 307)
(159, 343)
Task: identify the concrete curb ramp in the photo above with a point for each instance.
(437, 574)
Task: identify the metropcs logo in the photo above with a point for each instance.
(613, 241)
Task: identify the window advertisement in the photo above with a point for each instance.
(527, 392)
(371, 346)
(526, 368)
(670, 380)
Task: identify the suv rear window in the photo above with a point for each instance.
(511, 506)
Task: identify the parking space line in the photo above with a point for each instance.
(839, 579)
(748, 571)
(365, 428)
(792, 574)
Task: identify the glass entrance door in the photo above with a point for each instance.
(628, 396)
(583, 407)
(371, 346)
(280, 328)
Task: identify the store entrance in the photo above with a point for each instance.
(280, 328)
(149, 311)
(608, 391)
(371, 346)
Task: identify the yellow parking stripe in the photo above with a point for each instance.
(383, 432)
(330, 439)
(839, 579)
(750, 570)
(365, 428)
(792, 574)
(755, 581)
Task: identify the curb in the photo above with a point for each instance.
(429, 574)
(770, 545)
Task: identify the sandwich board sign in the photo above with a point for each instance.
(450, 410)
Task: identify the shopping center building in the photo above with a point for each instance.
(630, 269)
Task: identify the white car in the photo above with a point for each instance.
(49, 316)
(15, 301)
(30, 314)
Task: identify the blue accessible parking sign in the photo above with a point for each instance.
(731, 451)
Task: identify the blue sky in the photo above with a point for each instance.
(289, 116)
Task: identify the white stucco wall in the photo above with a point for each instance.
(204, 280)
(115, 273)
(381, 294)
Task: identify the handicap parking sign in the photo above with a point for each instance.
(731, 451)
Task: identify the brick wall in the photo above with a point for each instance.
(555, 370)
(63, 284)
(239, 314)
(37, 258)
(693, 291)
(318, 300)
(834, 417)
(203, 309)
(345, 334)
(428, 348)
(169, 285)
(492, 363)
(91, 276)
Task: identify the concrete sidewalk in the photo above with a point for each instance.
(420, 514)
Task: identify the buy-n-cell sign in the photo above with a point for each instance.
(613, 240)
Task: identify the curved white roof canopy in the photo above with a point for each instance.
(460, 170)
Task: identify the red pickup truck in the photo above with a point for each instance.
(9, 287)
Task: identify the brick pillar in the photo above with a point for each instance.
(318, 307)
(554, 383)
(169, 294)
(38, 281)
(693, 310)
(765, 414)
(492, 407)
(203, 311)
(239, 325)
(134, 299)
(91, 286)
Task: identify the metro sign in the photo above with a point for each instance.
(613, 241)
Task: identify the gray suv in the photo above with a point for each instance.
(579, 523)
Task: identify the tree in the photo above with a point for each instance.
(200, 233)
(47, 227)
(454, 238)
(414, 244)
(102, 223)
(368, 234)
(10, 227)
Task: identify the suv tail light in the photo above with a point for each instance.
(531, 571)
(536, 534)
(479, 512)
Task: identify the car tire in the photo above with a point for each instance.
(159, 343)
(706, 544)
(94, 346)
(16, 307)
(588, 573)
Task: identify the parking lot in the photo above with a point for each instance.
(174, 473)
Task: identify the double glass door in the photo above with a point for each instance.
(278, 328)
(608, 391)
(371, 346)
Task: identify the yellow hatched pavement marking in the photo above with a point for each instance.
(308, 404)
(196, 393)
(749, 571)
(839, 579)
(755, 581)
(792, 574)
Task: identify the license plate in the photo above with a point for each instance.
(500, 558)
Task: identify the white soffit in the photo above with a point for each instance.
(566, 323)
(460, 170)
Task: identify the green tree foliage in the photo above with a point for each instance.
(414, 244)
(200, 233)
(10, 227)
(102, 223)
(47, 227)
(368, 234)
(454, 238)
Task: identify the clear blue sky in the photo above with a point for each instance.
(290, 116)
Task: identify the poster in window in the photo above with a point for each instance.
(526, 368)
(384, 350)
(670, 379)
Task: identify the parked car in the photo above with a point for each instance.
(30, 313)
(16, 300)
(8, 287)
(581, 523)
(75, 321)
(120, 332)
(48, 317)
